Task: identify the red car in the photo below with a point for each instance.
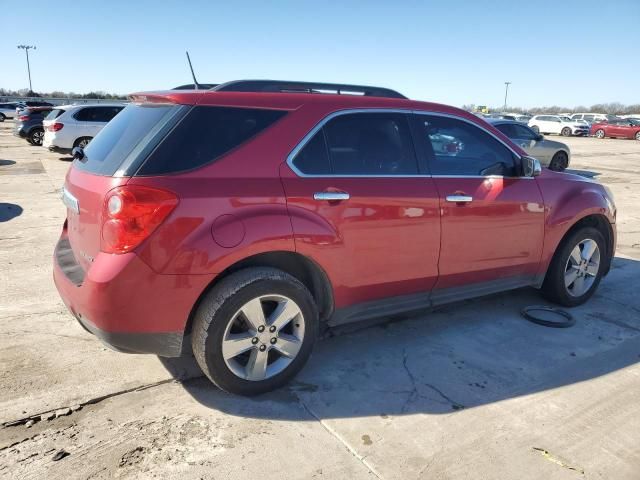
(240, 221)
(618, 128)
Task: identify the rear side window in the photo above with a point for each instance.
(313, 159)
(97, 114)
(204, 135)
(53, 114)
(460, 148)
(125, 141)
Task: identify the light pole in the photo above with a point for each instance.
(506, 92)
(26, 49)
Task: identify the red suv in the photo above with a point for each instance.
(239, 221)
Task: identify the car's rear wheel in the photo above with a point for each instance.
(254, 330)
(576, 268)
(2, 117)
(566, 132)
(36, 136)
(536, 129)
(82, 142)
(637, 135)
(559, 162)
(600, 133)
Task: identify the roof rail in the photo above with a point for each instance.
(284, 86)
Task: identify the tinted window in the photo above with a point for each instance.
(205, 134)
(524, 133)
(370, 144)
(313, 159)
(96, 114)
(459, 148)
(128, 138)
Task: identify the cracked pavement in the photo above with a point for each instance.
(468, 391)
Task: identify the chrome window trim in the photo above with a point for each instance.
(335, 114)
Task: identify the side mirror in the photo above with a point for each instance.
(531, 167)
(539, 137)
(78, 153)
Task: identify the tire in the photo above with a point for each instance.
(566, 132)
(536, 129)
(36, 136)
(82, 142)
(638, 136)
(559, 162)
(2, 117)
(600, 133)
(564, 263)
(220, 315)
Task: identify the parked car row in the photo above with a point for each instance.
(62, 128)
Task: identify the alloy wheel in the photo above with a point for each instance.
(582, 267)
(600, 133)
(37, 137)
(263, 337)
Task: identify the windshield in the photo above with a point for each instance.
(127, 138)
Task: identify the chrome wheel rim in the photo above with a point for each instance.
(263, 337)
(37, 137)
(600, 134)
(582, 267)
(83, 143)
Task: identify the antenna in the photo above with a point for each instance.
(195, 82)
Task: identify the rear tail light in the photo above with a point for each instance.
(23, 118)
(54, 127)
(131, 213)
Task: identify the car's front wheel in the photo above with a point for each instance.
(600, 133)
(254, 330)
(637, 135)
(576, 268)
(566, 132)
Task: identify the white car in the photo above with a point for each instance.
(70, 126)
(7, 110)
(593, 117)
(559, 125)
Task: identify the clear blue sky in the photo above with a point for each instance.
(562, 52)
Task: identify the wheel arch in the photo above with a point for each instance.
(295, 264)
(594, 220)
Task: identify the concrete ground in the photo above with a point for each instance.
(471, 391)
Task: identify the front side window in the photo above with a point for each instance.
(456, 147)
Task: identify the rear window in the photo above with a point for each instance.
(204, 135)
(53, 114)
(124, 141)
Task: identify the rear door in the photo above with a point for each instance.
(362, 208)
(492, 218)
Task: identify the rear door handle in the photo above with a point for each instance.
(331, 196)
(459, 198)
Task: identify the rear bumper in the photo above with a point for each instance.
(124, 303)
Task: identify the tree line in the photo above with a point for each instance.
(25, 92)
(613, 108)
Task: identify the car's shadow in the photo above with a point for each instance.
(9, 211)
(459, 357)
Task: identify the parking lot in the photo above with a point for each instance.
(471, 390)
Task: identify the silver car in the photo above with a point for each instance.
(551, 154)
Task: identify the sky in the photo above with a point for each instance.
(455, 52)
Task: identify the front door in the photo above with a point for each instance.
(492, 218)
(362, 209)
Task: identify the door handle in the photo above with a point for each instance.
(459, 198)
(331, 196)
